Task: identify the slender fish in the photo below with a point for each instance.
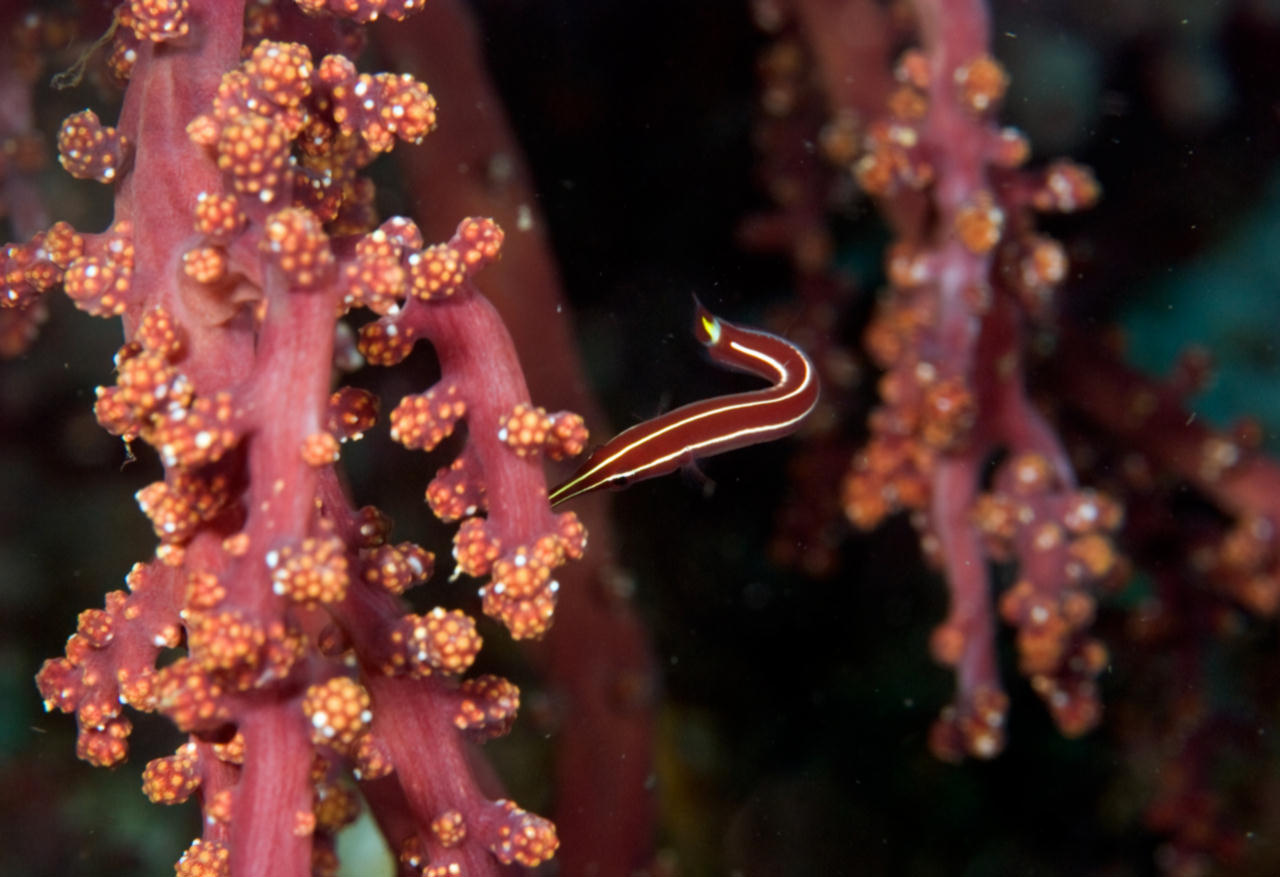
(712, 426)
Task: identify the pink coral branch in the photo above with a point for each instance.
(968, 277)
(243, 234)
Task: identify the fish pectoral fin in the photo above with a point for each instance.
(693, 473)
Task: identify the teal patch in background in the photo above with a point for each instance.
(1228, 302)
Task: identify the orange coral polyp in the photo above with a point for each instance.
(89, 150)
(157, 20)
(296, 242)
(338, 711)
(312, 571)
(422, 421)
(253, 151)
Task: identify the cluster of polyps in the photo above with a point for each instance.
(949, 336)
(299, 669)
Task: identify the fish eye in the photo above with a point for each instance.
(711, 328)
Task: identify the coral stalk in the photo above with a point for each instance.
(606, 681)
(969, 279)
(244, 242)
